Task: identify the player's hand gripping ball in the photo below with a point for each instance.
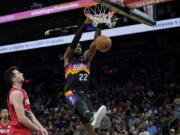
(103, 43)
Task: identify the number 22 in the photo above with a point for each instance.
(83, 77)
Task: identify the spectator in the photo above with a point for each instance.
(105, 125)
(152, 129)
(143, 131)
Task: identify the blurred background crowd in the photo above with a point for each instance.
(138, 79)
(141, 94)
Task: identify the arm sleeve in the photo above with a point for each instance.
(98, 30)
(78, 35)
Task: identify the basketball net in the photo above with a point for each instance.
(101, 14)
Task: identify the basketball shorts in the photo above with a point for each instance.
(80, 103)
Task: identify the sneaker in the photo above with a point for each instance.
(96, 120)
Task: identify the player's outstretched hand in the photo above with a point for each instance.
(88, 21)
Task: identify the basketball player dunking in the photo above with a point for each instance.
(4, 122)
(77, 75)
(23, 120)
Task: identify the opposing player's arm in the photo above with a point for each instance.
(71, 48)
(90, 53)
(16, 99)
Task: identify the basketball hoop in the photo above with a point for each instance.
(101, 14)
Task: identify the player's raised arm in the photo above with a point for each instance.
(71, 48)
(98, 31)
(90, 53)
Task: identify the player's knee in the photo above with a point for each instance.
(84, 111)
(88, 116)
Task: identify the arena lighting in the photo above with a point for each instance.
(46, 10)
(137, 3)
(119, 31)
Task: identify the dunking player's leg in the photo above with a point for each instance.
(82, 106)
(82, 109)
(85, 112)
(89, 114)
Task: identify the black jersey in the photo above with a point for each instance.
(77, 74)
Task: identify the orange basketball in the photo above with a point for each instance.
(103, 43)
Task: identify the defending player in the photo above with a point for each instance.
(23, 120)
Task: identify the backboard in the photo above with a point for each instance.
(146, 14)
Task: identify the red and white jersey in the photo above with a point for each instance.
(4, 130)
(14, 123)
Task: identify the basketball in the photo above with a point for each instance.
(103, 43)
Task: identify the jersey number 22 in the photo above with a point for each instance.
(83, 77)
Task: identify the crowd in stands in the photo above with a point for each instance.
(141, 91)
(143, 101)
